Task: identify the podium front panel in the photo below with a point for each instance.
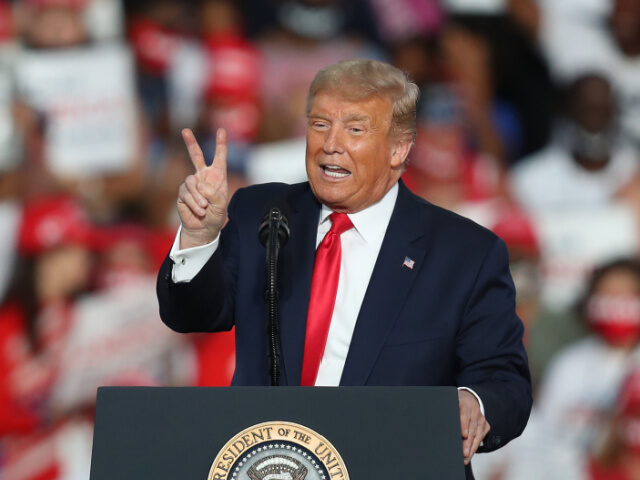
(390, 433)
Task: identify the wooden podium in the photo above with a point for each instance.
(372, 433)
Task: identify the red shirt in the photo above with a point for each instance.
(28, 376)
(598, 472)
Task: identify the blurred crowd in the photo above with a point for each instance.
(528, 123)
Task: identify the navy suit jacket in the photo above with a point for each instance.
(449, 320)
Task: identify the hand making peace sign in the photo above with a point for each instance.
(203, 197)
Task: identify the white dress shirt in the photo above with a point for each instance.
(360, 248)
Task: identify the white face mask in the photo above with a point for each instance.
(593, 147)
(314, 22)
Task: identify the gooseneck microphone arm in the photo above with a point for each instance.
(273, 234)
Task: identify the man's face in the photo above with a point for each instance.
(56, 27)
(593, 107)
(351, 159)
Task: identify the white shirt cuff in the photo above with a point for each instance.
(189, 261)
(477, 398)
(479, 401)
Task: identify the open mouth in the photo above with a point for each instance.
(335, 171)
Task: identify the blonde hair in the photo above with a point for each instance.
(360, 78)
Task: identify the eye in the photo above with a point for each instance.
(319, 125)
(356, 130)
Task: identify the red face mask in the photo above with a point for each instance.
(615, 319)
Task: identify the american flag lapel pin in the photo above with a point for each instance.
(409, 263)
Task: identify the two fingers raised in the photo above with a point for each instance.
(202, 197)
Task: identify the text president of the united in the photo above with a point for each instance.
(423, 296)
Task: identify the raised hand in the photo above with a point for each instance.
(203, 196)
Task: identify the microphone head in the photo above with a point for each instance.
(277, 213)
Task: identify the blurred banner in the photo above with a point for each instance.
(62, 452)
(8, 145)
(117, 338)
(86, 101)
(574, 242)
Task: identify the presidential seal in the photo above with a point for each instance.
(278, 451)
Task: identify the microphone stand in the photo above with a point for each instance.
(277, 223)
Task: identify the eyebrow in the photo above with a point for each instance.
(318, 115)
(357, 118)
(354, 117)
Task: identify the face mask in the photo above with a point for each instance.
(593, 147)
(630, 433)
(317, 23)
(615, 319)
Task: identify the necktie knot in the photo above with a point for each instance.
(340, 223)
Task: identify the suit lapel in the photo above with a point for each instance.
(388, 288)
(297, 259)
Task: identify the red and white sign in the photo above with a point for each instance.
(86, 97)
(573, 243)
(117, 338)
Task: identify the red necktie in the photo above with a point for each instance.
(324, 286)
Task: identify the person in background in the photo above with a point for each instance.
(12, 179)
(580, 385)
(588, 163)
(52, 23)
(6, 21)
(401, 20)
(618, 456)
(56, 241)
(584, 36)
(81, 134)
(306, 35)
(520, 83)
(519, 233)
(459, 154)
(232, 95)
(155, 31)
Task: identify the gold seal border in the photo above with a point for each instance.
(275, 431)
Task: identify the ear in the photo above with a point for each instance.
(399, 153)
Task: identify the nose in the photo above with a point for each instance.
(333, 141)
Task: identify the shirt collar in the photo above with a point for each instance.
(372, 222)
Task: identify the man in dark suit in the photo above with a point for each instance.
(424, 297)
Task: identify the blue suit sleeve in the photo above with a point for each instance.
(490, 353)
(207, 302)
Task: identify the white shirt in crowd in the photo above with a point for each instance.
(570, 415)
(551, 180)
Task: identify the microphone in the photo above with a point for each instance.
(275, 220)
(273, 234)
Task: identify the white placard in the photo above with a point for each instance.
(282, 161)
(117, 338)
(575, 242)
(86, 97)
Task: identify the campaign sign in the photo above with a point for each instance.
(573, 243)
(86, 99)
(117, 338)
